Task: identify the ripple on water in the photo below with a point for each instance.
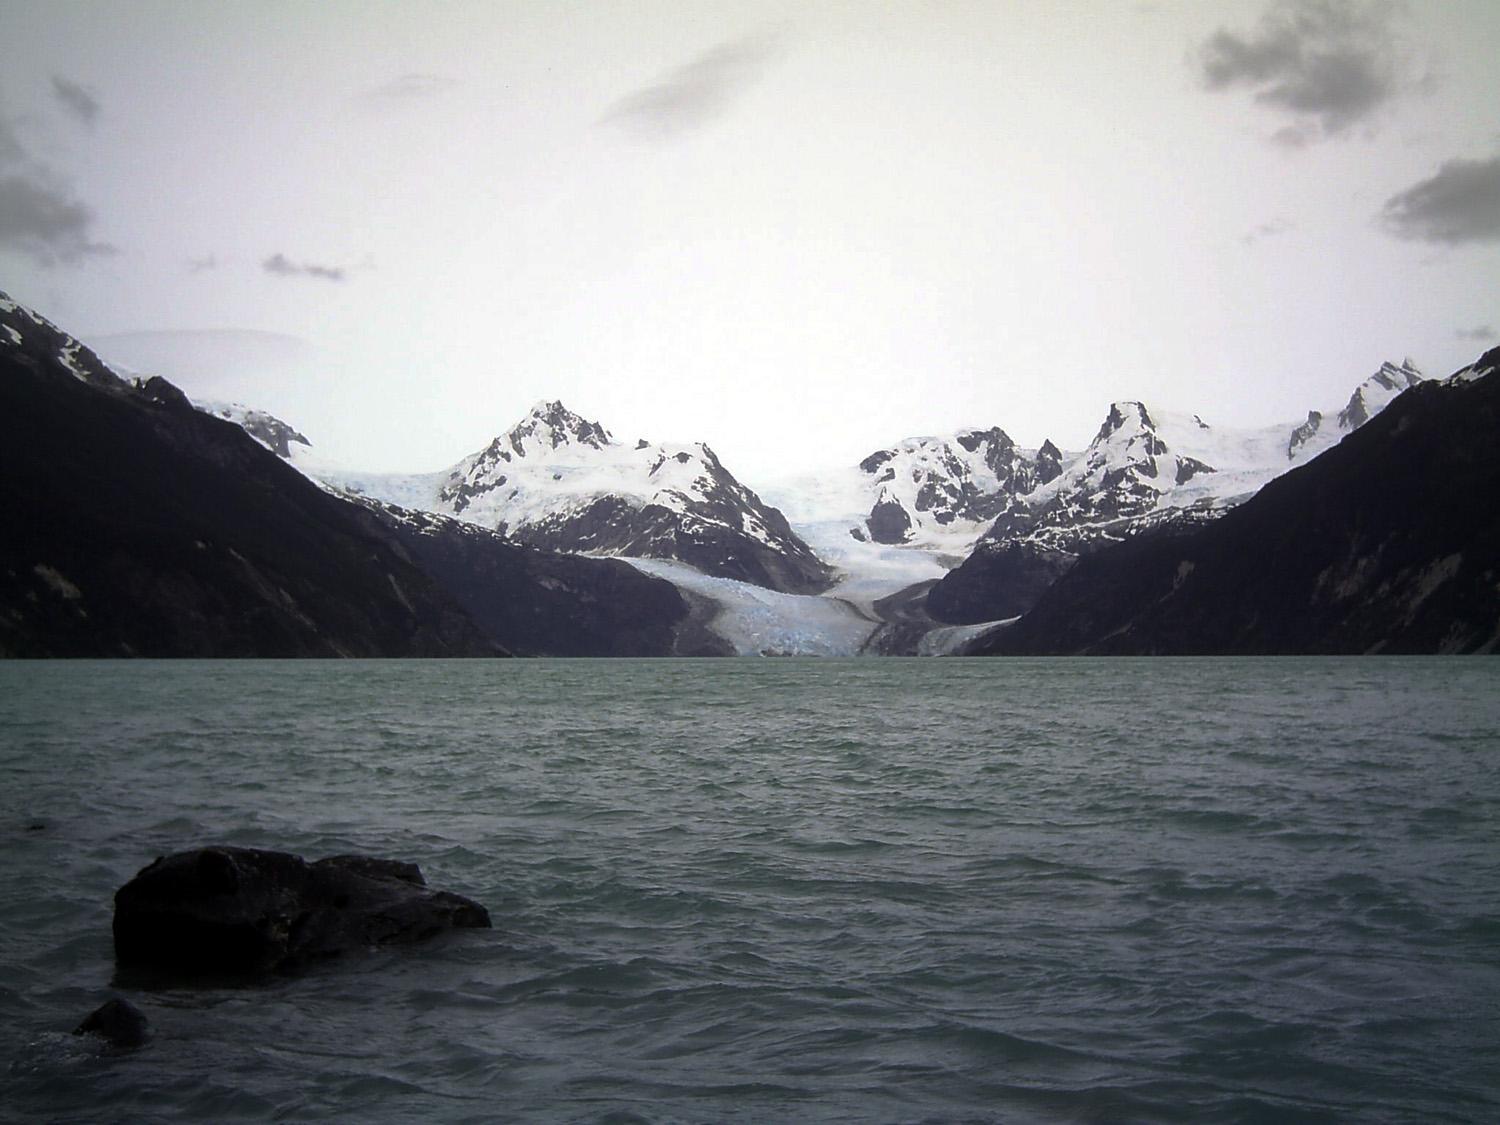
(745, 891)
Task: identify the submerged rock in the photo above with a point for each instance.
(249, 911)
(119, 1023)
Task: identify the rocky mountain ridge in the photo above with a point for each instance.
(1387, 542)
(1143, 470)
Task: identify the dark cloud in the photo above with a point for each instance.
(1328, 63)
(39, 215)
(1459, 204)
(694, 95)
(77, 100)
(282, 266)
(198, 265)
(1482, 333)
(44, 221)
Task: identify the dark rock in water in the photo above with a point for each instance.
(247, 911)
(118, 1022)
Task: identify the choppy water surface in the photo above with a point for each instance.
(879, 890)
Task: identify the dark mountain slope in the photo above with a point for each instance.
(1388, 542)
(135, 525)
(543, 603)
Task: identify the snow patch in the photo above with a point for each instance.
(57, 583)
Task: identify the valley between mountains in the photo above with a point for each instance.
(559, 537)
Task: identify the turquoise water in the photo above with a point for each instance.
(841, 890)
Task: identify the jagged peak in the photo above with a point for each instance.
(1125, 413)
(550, 425)
(1371, 396)
(1403, 375)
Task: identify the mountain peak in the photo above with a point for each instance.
(550, 425)
(1125, 413)
(1371, 396)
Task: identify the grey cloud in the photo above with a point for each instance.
(1328, 63)
(39, 216)
(282, 266)
(1482, 333)
(1268, 230)
(45, 222)
(1459, 204)
(694, 95)
(11, 151)
(405, 88)
(198, 265)
(77, 100)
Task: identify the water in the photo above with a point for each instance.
(879, 890)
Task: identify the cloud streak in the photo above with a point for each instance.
(77, 100)
(1481, 333)
(282, 266)
(45, 222)
(1328, 64)
(1460, 204)
(1268, 230)
(404, 89)
(695, 95)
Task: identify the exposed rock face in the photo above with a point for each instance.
(118, 1024)
(560, 482)
(1004, 581)
(136, 525)
(1387, 542)
(929, 486)
(243, 911)
(1048, 463)
(889, 521)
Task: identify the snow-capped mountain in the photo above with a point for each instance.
(560, 481)
(926, 486)
(1388, 542)
(1144, 468)
(267, 429)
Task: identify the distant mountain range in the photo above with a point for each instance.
(1144, 469)
(1388, 541)
(918, 548)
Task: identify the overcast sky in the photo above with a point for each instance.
(792, 229)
